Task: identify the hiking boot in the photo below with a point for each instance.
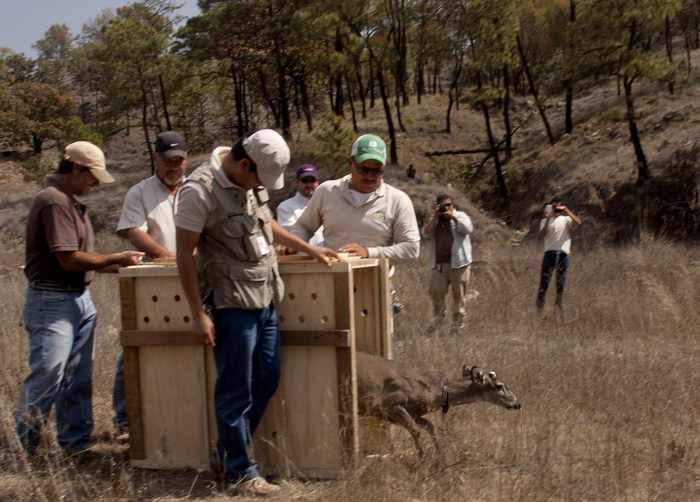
(256, 487)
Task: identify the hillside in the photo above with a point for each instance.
(592, 169)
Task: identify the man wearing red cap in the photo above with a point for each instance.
(59, 315)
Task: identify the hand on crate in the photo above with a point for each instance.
(324, 255)
(355, 249)
(205, 327)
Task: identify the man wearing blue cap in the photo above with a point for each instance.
(288, 211)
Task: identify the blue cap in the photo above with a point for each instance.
(307, 171)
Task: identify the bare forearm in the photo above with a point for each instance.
(571, 214)
(188, 278)
(288, 239)
(429, 228)
(144, 242)
(82, 261)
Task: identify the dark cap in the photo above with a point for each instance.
(170, 144)
(307, 171)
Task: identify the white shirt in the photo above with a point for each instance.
(288, 213)
(558, 237)
(148, 206)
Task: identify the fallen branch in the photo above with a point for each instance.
(438, 153)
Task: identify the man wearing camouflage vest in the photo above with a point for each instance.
(222, 212)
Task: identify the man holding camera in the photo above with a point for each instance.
(555, 227)
(451, 260)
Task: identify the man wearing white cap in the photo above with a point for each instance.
(59, 315)
(222, 212)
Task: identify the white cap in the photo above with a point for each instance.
(88, 155)
(270, 153)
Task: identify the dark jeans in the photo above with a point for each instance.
(552, 260)
(120, 418)
(247, 354)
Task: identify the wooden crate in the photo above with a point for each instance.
(311, 426)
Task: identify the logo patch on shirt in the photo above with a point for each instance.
(379, 217)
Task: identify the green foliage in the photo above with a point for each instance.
(333, 140)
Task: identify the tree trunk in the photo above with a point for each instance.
(338, 78)
(569, 108)
(668, 35)
(238, 101)
(37, 143)
(154, 107)
(506, 113)
(643, 173)
(642, 166)
(403, 53)
(452, 92)
(305, 106)
(351, 100)
(533, 91)
(500, 179)
(283, 90)
(397, 101)
(268, 100)
(164, 100)
(144, 121)
(371, 80)
(393, 151)
(360, 86)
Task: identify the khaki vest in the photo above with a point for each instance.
(235, 256)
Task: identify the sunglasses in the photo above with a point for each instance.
(365, 171)
(308, 179)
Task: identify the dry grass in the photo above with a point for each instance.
(610, 409)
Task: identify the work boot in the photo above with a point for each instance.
(256, 487)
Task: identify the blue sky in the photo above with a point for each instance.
(23, 22)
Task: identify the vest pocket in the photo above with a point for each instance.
(247, 287)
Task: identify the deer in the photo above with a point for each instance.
(388, 393)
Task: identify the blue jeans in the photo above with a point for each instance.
(61, 329)
(552, 260)
(118, 395)
(247, 354)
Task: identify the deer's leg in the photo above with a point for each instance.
(400, 416)
(427, 425)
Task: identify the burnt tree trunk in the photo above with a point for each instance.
(351, 100)
(144, 121)
(238, 101)
(668, 36)
(500, 179)
(268, 99)
(452, 92)
(569, 99)
(506, 113)
(164, 100)
(305, 106)
(643, 173)
(393, 150)
(534, 92)
(360, 86)
(370, 83)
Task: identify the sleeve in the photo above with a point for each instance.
(191, 208)
(133, 213)
(310, 219)
(285, 214)
(406, 237)
(464, 223)
(543, 222)
(569, 222)
(60, 229)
